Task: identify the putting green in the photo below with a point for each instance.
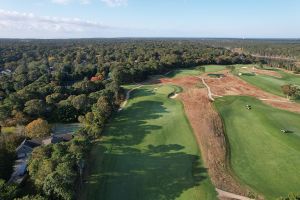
(214, 68)
(183, 72)
(148, 152)
(194, 71)
(261, 156)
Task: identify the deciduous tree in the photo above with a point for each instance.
(35, 107)
(38, 128)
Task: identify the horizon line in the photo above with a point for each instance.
(163, 37)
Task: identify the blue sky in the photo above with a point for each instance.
(149, 18)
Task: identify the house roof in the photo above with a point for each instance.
(27, 146)
(24, 149)
(31, 143)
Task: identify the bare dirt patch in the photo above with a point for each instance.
(208, 127)
(265, 72)
(232, 85)
(227, 196)
(208, 130)
(290, 106)
(185, 82)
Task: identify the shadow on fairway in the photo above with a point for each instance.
(121, 169)
(130, 128)
(135, 175)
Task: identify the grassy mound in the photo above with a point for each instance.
(261, 156)
(148, 151)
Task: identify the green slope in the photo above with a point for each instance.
(148, 151)
(272, 84)
(260, 155)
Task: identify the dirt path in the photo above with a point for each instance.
(127, 97)
(208, 126)
(275, 100)
(208, 129)
(208, 89)
(228, 195)
(232, 85)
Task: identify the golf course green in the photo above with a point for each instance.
(260, 155)
(214, 68)
(195, 71)
(148, 152)
(271, 84)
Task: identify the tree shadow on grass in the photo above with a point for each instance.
(145, 92)
(130, 127)
(160, 172)
(120, 170)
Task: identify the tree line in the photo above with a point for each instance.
(51, 81)
(281, 53)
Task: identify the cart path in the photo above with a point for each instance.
(127, 97)
(228, 195)
(208, 89)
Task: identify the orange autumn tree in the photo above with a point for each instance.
(38, 128)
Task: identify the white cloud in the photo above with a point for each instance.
(115, 3)
(17, 22)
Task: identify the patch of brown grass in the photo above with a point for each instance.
(207, 124)
(232, 85)
(208, 129)
(265, 72)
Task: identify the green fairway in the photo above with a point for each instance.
(214, 68)
(148, 152)
(272, 84)
(195, 71)
(261, 156)
(183, 72)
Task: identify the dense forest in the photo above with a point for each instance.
(61, 80)
(285, 48)
(66, 81)
(282, 53)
